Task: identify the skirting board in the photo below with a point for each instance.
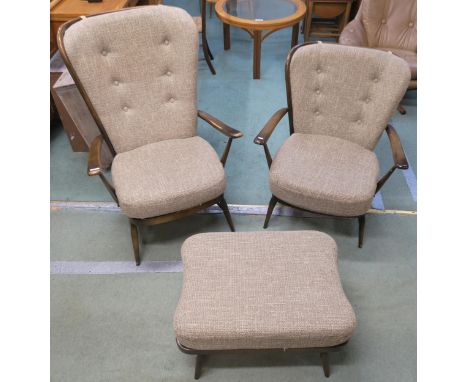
(244, 209)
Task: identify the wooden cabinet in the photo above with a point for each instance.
(63, 10)
(76, 118)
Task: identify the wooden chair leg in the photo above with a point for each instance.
(135, 242)
(206, 53)
(362, 224)
(209, 50)
(401, 109)
(272, 204)
(325, 364)
(198, 366)
(223, 205)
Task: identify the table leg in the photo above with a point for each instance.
(257, 53)
(227, 36)
(295, 34)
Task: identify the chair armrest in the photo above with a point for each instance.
(263, 136)
(399, 156)
(94, 157)
(353, 34)
(219, 125)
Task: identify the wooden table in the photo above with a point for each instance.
(63, 10)
(257, 17)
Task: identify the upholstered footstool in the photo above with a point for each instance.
(262, 291)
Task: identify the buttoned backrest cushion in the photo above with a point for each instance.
(390, 23)
(345, 92)
(139, 69)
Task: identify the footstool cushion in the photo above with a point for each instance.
(262, 290)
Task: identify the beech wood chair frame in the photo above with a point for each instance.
(399, 157)
(202, 354)
(95, 165)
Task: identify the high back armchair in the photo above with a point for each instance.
(339, 102)
(389, 25)
(137, 72)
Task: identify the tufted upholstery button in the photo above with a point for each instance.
(319, 70)
(168, 73)
(411, 24)
(104, 52)
(317, 91)
(358, 121)
(171, 100)
(125, 108)
(166, 42)
(116, 83)
(376, 79)
(384, 21)
(367, 100)
(317, 113)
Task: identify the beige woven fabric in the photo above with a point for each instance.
(346, 92)
(260, 290)
(325, 174)
(139, 69)
(167, 176)
(198, 23)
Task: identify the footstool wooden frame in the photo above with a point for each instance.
(284, 287)
(202, 354)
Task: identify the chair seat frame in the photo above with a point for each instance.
(96, 167)
(399, 157)
(202, 354)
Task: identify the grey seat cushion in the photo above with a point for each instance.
(167, 176)
(325, 174)
(262, 290)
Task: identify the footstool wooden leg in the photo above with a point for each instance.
(325, 364)
(135, 242)
(198, 365)
(362, 224)
(223, 205)
(272, 204)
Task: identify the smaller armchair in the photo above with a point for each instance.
(388, 26)
(339, 102)
(139, 81)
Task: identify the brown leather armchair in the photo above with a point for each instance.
(388, 25)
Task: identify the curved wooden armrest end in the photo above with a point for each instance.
(220, 125)
(263, 136)
(399, 156)
(94, 157)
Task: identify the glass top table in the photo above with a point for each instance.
(260, 18)
(260, 10)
